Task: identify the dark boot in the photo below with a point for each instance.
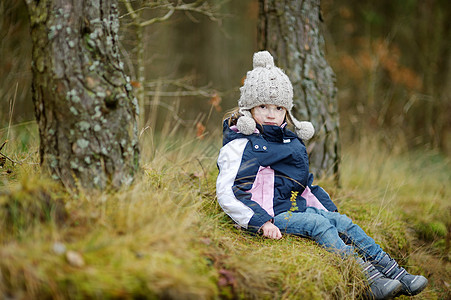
(380, 286)
(411, 284)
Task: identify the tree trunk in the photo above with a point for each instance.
(84, 105)
(290, 31)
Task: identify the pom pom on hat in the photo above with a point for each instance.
(263, 59)
(246, 124)
(305, 130)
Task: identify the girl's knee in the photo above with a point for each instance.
(343, 221)
(320, 226)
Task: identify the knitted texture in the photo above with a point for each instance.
(246, 124)
(304, 129)
(267, 84)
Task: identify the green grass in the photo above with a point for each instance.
(166, 236)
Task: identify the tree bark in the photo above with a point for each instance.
(290, 31)
(84, 105)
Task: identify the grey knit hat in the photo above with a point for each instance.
(267, 84)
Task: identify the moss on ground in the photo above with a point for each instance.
(166, 236)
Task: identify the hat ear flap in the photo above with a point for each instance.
(304, 129)
(246, 124)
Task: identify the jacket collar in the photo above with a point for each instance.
(273, 133)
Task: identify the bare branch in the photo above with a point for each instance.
(188, 89)
(199, 6)
(178, 93)
(155, 20)
(131, 11)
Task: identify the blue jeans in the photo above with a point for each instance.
(333, 231)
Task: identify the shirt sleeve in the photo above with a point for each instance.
(237, 172)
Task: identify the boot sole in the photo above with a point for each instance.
(395, 291)
(396, 288)
(419, 289)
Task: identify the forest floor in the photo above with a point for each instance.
(166, 236)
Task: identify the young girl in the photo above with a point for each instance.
(265, 186)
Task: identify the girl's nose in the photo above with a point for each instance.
(271, 113)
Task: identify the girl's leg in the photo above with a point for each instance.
(353, 234)
(331, 230)
(367, 247)
(314, 225)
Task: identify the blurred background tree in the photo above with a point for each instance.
(391, 59)
(290, 30)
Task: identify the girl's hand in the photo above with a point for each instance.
(271, 231)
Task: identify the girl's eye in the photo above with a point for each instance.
(279, 108)
(262, 106)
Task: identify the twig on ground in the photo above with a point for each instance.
(4, 143)
(13, 161)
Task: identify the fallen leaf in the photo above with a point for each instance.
(242, 80)
(90, 82)
(215, 100)
(205, 240)
(59, 248)
(135, 84)
(200, 130)
(226, 278)
(75, 259)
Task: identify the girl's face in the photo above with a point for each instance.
(269, 114)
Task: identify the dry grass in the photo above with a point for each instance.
(166, 237)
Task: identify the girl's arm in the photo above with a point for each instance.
(237, 172)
